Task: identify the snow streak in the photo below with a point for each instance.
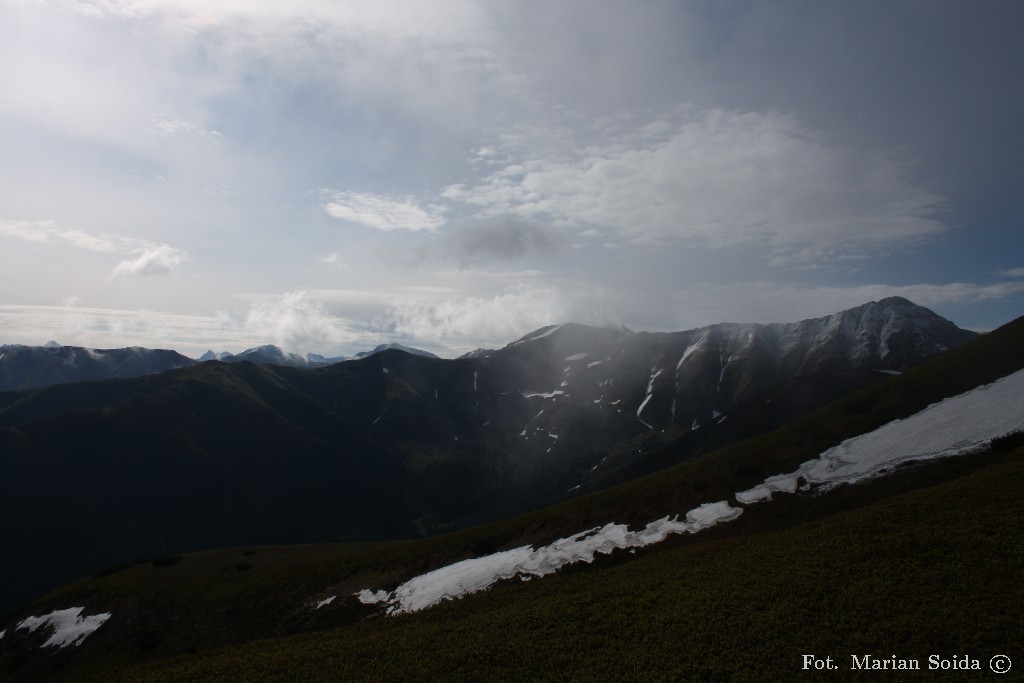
(69, 627)
(525, 562)
(955, 426)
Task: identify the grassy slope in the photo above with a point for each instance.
(931, 571)
(771, 567)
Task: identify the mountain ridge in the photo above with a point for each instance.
(841, 560)
(273, 454)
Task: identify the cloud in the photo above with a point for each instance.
(151, 259)
(1012, 272)
(295, 322)
(49, 231)
(334, 259)
(467, 320)
(721, 178)
(504, 238)
(382, 212)
(165, 127)
(159, 260)
(114, 328)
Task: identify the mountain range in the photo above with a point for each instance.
(819, 571)
(34, 367)
(398, 444)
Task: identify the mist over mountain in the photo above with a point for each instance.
(401, 444)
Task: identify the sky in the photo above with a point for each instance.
(329, 176)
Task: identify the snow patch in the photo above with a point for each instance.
(544, 334)
(688, 352)
(779, 483)
(368, 597)
(650, 392)
(577, 356)
(385, 370)
(594, 362)
(955, 426)
(69, 627)
(544, 394)
(471, 576)
(325, 601)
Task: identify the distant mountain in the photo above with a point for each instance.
(275, 355)
(269, 355)
(34, 367)
(477, 353)
(213, 355)
(395, 347)
(31, 367)
(398, 443)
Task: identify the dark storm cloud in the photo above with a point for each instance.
(931, 77)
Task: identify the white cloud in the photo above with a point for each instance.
(382, 212)
(165, 127)
(467, 321)
(721, 178)
(151, 259)
(1012, 272)
(114, 328)
(159, 260)
(295, 322)
(334, 259)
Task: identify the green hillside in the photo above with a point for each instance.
(932, 570)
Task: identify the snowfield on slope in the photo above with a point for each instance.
(477, 574)
(69, 626)
(955, 426)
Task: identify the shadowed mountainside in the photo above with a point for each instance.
(400, 445)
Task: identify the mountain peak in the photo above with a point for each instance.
(895, 301)
(396, 347)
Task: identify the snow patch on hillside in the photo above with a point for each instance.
(525, 562)
(69, 627)
(544, 394)
(655, 371)
(955, 426)
(688, 352)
